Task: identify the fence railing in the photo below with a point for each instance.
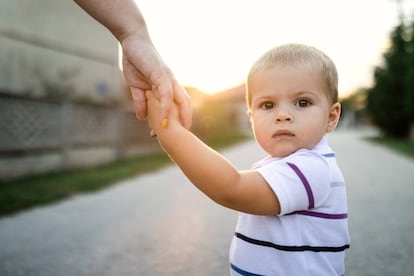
(38, 135)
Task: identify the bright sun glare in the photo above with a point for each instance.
(211, 44)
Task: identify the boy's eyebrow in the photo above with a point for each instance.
(262, 98)
(295, 93)
(304, 92)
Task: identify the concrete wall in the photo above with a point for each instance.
(61, 91)
(52, 48)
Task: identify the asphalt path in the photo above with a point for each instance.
(159, 224)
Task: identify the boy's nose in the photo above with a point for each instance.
(283, 116)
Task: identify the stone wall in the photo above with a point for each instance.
(44, 135)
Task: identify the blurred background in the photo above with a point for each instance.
(67, 127)
(64, 104)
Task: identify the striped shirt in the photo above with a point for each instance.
(310, 236)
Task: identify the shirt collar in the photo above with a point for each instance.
(322, 148)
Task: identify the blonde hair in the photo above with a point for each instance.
(298, 54)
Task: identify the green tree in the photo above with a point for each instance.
(409, 82)
(387, 98)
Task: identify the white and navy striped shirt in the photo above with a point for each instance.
(310, 236)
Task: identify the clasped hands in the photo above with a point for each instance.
(156, 121)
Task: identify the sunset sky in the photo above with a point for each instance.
(211, 44)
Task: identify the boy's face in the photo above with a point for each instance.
(289, 109)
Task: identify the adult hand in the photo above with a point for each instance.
(144, 70)
(143, 67)
(154, 116)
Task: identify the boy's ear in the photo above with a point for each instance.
(249, 114)
(333, 118)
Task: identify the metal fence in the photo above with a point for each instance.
(38, 135)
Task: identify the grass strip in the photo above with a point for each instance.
(405, 147)
(20, 194)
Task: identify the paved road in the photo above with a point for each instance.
(380, 187)
(158, 224)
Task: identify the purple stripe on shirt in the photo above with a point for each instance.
(305, 184)
(321, 215)
(337, 184)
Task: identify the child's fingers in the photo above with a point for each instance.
(148, 94)
(155, 104)
(165, 93)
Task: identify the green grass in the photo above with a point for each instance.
(41, 189)
(20, 194)
(405, 147)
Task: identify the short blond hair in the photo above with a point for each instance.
(298, 54)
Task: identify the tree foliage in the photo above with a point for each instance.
(390, 100)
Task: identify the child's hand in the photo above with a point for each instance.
(155, 121)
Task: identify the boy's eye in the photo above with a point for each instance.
(303, 103)
(267, 105)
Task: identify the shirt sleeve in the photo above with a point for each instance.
(300, 181)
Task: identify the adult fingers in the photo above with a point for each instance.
(166, 94)
(140, 103)
(182, 99)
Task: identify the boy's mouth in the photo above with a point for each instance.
(283, 133)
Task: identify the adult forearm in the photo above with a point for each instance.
(121, 17)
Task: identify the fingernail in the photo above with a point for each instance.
(164, 122)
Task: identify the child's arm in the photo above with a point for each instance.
(210, 172)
